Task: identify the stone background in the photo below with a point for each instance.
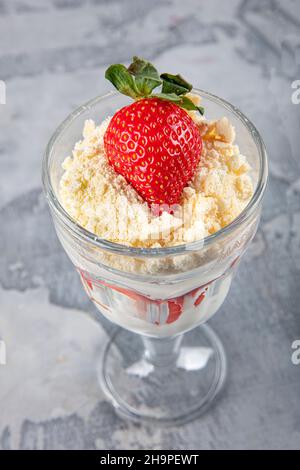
(52, 57)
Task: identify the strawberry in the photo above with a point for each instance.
(156, 146)
(175, 309)
(153, 142)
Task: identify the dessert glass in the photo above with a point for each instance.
(170, 371)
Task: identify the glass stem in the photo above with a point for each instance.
(162, 351)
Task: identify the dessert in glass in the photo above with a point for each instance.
(155, 207)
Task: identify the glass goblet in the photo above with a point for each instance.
(175, 365)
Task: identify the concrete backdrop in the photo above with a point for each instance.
(52, 58)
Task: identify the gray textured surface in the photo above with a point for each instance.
(52, 57)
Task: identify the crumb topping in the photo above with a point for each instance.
(104, 203)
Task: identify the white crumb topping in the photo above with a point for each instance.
(104, 203)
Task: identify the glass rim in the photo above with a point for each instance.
(119, 248)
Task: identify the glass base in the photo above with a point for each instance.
(164, 388)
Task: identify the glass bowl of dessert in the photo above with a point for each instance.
(157, 246)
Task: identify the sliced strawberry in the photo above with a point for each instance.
(200, 298)
(175, 309)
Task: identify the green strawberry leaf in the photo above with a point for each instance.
(168, 97)
(187, 104)
(122, 80)
(182, 101)
(141, 78)
(175, 84)
(146, 75)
